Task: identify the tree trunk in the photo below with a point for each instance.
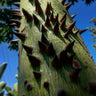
(57, 64)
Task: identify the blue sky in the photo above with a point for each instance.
(84, 15)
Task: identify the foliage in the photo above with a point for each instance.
(86, 1)
(6, 30)
(93, 31)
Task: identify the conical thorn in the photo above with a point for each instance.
(47, 22)
(50, 50)
(71, 26)
(15, 10)
(64, 17)
(14, 24)
(17, 29)
(68, 6)
(36, 20)
(23, 28)
(76, 32)
(27, 15)
(52, 17)
(65, 35)
(37, 74)
(17, 15)
(42, 46)
(44, 40)
(56, 28)
(92, 87)
(69, 47)
(15, 41)
(74, 75)
(82, 31)
(61, 92)
(46, 84)
(47, 11)
(76, 64)
(56, 62)
(15, 21)
(16, 4)
(63, 56)
(73, 16)
(29, 87)
(43, 29)
(62, 25)
(63, 1)
(28, 49)
(22, 36)
(35, 62)
(67, 3)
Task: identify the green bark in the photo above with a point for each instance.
(56, 78)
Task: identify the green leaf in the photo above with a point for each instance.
(2, 69)
(2, 86)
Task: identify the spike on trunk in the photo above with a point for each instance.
(44, 40)
(61, 92)
(76, 64)
(92, 87)
(28, 49)
(39, 9)
(17, 29)
(42, 46)
(73, 16)
(56, 28)
(29, 87)
(76, 32)
(14, 24)
(62, 25)
(47, 22)
(46, 84)
(50, 50)
(69, 47)
(56, 18)
(67, 3)
(47, 11)
(16, 4)
(35, 62)
(22, 29)
(17, 15)
(37, 74)
(71, 26)
(63, 56)
(70, 59)
(64, 17)
(74, 75)
(43, 29)
(56, 62)
(15, 21)
(27, 15)
(52, 17)
(65, 35)
(68, 6)
(15, 41)
(63, 1)
(20, 35)
(36, 20)
(82, 31)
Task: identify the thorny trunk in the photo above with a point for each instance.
(57, 63)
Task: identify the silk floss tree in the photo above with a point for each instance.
(53, 59)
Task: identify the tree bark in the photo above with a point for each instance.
(53, 77)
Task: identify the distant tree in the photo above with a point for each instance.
(6, 29)
(93, 30)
